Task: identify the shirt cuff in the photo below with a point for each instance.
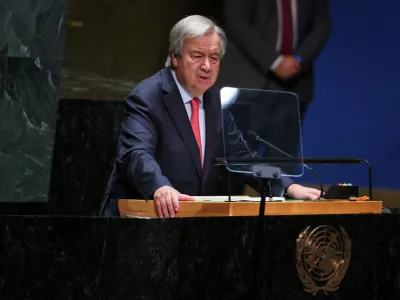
(276, 63)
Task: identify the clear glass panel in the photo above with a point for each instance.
(268, 123)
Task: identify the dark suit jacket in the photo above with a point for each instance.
(157, 146)
(252, 30)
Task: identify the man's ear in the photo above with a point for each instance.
(174, 60)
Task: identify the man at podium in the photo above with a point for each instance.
(172, 128)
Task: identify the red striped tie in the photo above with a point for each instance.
(194, 121)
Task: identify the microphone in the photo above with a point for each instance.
(256, 137)
(245, 144)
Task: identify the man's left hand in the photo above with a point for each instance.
(288, 67)
(297, 191)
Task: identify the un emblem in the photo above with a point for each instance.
(322, 258)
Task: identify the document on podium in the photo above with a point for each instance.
(234, 199)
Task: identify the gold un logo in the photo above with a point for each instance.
(322, 258)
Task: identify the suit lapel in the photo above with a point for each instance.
(213, 123)
(177, 110)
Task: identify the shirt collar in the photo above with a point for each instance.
(186, 97)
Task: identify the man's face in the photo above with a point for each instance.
(198, 66)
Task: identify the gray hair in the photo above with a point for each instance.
(192, 27)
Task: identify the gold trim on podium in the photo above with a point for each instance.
(146, 209)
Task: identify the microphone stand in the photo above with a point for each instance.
(265, 189)
(265, 173)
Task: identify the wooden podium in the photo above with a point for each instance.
(146, 209)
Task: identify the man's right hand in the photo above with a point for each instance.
(167, 201)
(288, 67)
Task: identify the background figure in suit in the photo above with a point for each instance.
(172, 128)
(273, 45)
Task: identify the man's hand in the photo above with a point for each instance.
(167, 201)
(288, 67)
(297, 191)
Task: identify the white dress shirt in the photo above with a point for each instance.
(186, 97)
